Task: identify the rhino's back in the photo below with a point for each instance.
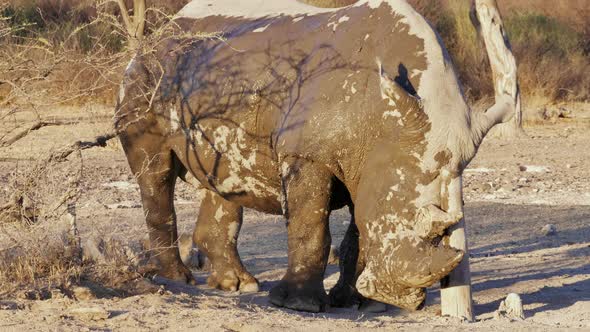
(309, 75)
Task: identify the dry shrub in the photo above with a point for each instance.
(36, 258)
(67, 51)
(552, 53)
(551, 56)
(40, 251)
(42, 74)
(41, 68)
(53, 250)
(431, 9)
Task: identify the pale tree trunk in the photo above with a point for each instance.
(456, 298)
(135, 24)
(502, 61)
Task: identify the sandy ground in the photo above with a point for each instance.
(512, 189)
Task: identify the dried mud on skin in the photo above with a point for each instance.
(506, 210)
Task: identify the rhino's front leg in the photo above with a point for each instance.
(306, 187)
(344, 293)
(456, 287)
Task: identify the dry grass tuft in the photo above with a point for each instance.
(37, 259)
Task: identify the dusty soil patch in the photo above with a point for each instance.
(513, 189)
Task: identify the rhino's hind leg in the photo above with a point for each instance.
(307, 190)
(216, 234)
(156, 171)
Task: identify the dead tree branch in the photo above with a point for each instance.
(35, 126)
(99, 141)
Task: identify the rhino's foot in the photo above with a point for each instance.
(343, 296)
(177, 272)
(300, 298)
(232, 281)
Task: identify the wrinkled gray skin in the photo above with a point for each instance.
(298, 115)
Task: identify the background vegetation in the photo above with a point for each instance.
(551, 41)
(552, 47)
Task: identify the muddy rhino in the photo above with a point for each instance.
(297, 110)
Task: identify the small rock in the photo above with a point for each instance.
(185, 247)
(510, 308)
(57, 294)
(124, 205)
(93, 250)
(145, 244)
(479, 170)
(549, 230)
(334, 257)
(136, 253)
(83, 293)
(507, 188)
(121, 185)
(90, 314)
(533, 169)
(9, 305)
(35, 294)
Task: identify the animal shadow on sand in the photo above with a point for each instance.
(494, 230)
(516, 230)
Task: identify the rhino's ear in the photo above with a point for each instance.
(414, 118)
(392, 90)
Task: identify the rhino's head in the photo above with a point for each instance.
(410, 191)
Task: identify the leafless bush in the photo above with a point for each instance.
(36, 257)
(37, 249)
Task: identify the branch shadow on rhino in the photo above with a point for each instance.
(210, 86)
